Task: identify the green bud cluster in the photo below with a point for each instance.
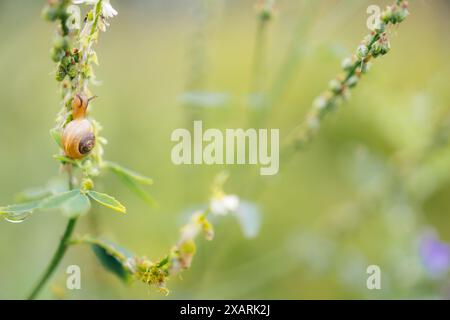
(57, 10)
(63, 52)
(373, 45)
(68, 65)
(380, 47)
(395, 13)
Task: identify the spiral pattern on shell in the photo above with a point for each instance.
(78, 138)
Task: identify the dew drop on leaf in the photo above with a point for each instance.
(17, 218)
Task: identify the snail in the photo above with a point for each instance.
(78, 138)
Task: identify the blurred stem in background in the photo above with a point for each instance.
(258, 100)
(265, 13)
(196, 78)
(374, 45)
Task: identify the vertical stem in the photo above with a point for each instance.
(259, 57)
(60, 251)
(57, 257)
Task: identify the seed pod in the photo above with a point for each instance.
(60, 73)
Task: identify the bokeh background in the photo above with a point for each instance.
(373, 187)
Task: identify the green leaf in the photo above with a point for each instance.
(19, 212)
(131, 180)
(57, 201)
(33, 194)
(76, 206)
(19, 209)
(72, 203)
(121, 171)
(54, 186)
(110, 256)
(141, 193)
(107, 201)
(56, 135)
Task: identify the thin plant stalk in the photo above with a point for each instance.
(57, 257)
(60, 251)
(259, 68)
(374, 45)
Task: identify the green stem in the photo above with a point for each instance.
(60, 251)
(259, 56)
(57, 257)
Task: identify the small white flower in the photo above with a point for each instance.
(88, 2)
(225, 204)
(107, 9)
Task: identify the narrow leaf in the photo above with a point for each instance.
(107, 201)
(18, 209)
(112, 258)
(141, 193)
(131, 180)
(56, 135)
(119, 170)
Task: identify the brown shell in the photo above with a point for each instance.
(78, 138)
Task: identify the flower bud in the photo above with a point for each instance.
(385, 47)
(87, 184)
(347, 64)
(362, 51)
(401, 14)
(50, 13)
(335, 86)
(60, 73)
(56, 54)
(62, 43)
(352, 81)
(387, 15)
(320, 103)
(381, 27)
(376, 49)
(66, 61)
(76, 55)
(367, 39)
(72, 71)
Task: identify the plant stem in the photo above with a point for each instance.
(259, 73)
(57, 257)
(60, 251)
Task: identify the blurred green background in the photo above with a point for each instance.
(375, 179)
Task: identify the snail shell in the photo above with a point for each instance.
(78, 138)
